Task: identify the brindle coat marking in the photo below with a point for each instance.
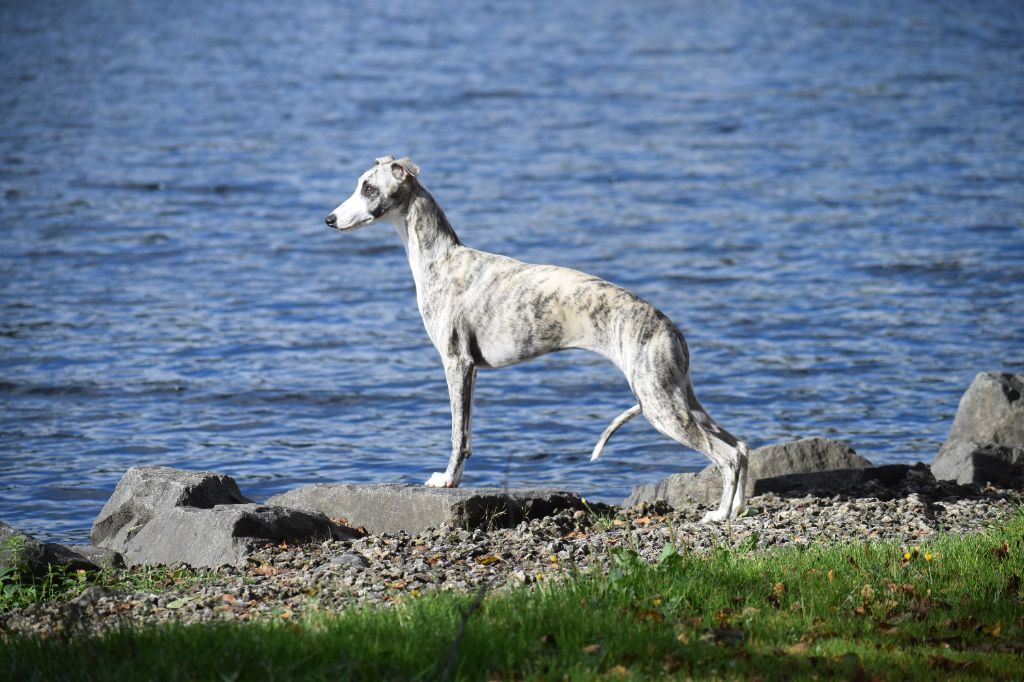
(483, 310)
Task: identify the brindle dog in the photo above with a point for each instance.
(483, 310)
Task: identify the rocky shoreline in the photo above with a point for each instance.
(326, 548)
(286, 582)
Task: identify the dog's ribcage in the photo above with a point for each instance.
(501, 311)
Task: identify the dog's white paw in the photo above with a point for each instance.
(440, 480)
(714, 516)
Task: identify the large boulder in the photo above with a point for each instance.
(394, 507)
(225, 534)
(144, 492)
(159, 515)
(986, 440)
(21, 551)
(811, 457)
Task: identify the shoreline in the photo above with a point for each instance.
(284, 583)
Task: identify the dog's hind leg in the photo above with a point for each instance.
(671, 406)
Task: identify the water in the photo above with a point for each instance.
(826, 199)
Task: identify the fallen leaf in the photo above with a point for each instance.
(266, 569)
(649, 615)
(488, 560)
(888, 628)
(722, 636)
(831, 577)
(620, 670)
(1013, 584)
(398, 585)
(940, 662)
(230, 599)
(683, 638)
(798, 648)
(340, 520)
(992, 630)
(643, 521)
(1002, 551)
(592, 648)
(672, 663)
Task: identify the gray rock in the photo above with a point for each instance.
(393, 507)
(987, 432)
(970, 462)
(991, 411)
(159, 515)
(101, 556)
(353, 559)
(827, 483)
(21, 550)
(145, 492)
(225, 534)
(804, 456)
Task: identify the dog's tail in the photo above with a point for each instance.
(612, 428)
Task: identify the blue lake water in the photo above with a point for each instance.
(828, 199)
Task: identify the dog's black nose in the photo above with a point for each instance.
(331, 220)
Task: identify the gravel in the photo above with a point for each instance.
(287, 582)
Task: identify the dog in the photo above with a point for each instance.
(482, 311)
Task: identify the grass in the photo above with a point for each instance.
(950, 608)
(19, 587)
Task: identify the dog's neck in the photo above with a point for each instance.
(424, 229)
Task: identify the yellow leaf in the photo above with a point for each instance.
(798, 648)
(591, 648)
(994, 629)
(683, 638)
(619, 670)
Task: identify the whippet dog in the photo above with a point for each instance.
(482, 311)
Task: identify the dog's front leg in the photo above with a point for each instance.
(461, 376)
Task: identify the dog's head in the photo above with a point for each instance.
(380, 190)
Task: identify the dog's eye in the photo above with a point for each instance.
(369, 191)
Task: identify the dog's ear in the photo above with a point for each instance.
(404, 168)
(383, 159)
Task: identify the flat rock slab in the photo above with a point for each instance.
(805, 456)
(224, 535)
(393, 507)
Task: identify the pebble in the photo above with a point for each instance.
(286, 582)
